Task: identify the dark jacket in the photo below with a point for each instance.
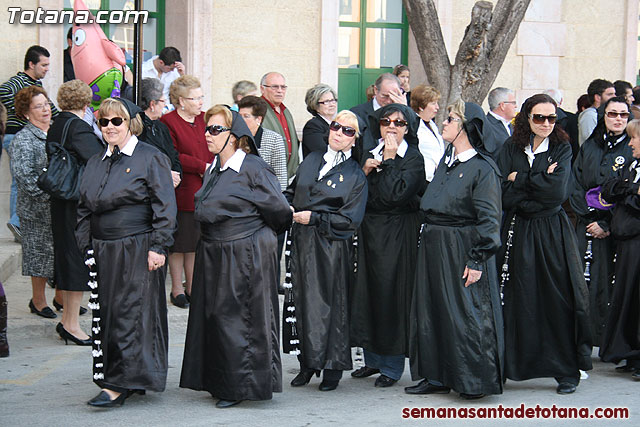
(315, 135)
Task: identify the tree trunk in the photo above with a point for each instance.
(481, 52)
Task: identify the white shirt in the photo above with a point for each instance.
(376, 106)
(431, 146)
(330, 158)
(504, 122)
(127, 150)
(149, 71)
(531, 155)
(466, 155)
(378, 152)
(234, 162)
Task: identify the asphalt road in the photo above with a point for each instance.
(44, 382)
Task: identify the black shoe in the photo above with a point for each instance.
(384, 381)
(636, 375)
(103, 400)
(222, 403)
(327, 385)
(472, 396)
(565, 388)
(17, 234)
(423, 387)
(179, 301)
(45, 312)
(303, 378)
(67, 336)
(364, 372)
(59, 307)
(625, 368)
(59, 329)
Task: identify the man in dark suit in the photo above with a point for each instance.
(502, 109)
(386, 91)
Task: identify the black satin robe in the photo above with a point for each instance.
(126, 209)
(593, 166)
(456, 331)
(232, 348)
(621, 337)
(546, 302)
(322, 257)
(387, 251)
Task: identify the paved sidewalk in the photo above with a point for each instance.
(44, 382)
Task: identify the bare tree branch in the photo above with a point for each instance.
(423, 21)
(481, 52)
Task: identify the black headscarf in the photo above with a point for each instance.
(239, 129)
(480, 135)
(409, 115)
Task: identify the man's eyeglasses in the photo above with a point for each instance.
(328, 102)
(540, 118)
(614, 114)
(399, 123)
(276, 87)
(215, 130)
(117, 121)
(346, 130)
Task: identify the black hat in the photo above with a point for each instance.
(480, 135)
(410, 116)
(131, 108)
(239, 129)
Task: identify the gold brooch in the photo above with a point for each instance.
(341, 178)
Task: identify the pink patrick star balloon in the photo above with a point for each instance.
(97, 60)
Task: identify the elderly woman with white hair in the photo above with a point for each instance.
(322, 103)
(154, 132)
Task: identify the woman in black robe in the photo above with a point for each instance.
(329, 196)
(456, 331)
(600, 157)
(388, 245)
(547, 331)
(621, 337)
(232, 348)
(70, 273)
(127, 215)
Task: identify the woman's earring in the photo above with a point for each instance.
(152, 109)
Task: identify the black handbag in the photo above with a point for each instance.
(61, 178)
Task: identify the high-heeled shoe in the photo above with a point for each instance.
(303, 378)
(103, 400)
(67, 336)
(45, 312)
(59, 307)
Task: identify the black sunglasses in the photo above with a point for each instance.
(450, 119)
(346, 130)
(399, 123)
(540, 118)
(215, 129)
(117, 121)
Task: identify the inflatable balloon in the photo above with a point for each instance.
(97, 60)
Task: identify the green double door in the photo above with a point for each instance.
(372, 39)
